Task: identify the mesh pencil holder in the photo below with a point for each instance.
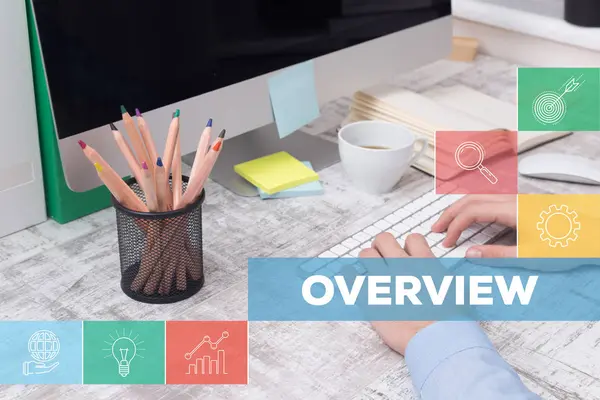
(160, 252)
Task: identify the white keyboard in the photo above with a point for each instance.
(417, 216)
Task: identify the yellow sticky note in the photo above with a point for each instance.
(559, 226)
(276, 172)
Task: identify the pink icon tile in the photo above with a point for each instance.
(476, 162)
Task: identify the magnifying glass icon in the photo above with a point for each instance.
(469, 156)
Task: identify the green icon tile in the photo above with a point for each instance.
(559, 99)
(124, 352)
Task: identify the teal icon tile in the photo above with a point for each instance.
(559, 99)
(44, 352)
(124, 352)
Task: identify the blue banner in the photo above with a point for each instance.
(417, 289)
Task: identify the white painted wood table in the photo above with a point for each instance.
(71, 272)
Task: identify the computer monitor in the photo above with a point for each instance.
(212, 59)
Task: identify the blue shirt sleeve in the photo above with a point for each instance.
(456, 360)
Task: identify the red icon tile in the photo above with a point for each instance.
(207, 352)
(476, 162)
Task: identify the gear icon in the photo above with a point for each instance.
(565, 217)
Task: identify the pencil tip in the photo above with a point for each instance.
(176, 113)
(98, 167)
(113, 127)
(144, 165)
(209, 123)
(159, 162)
(82, 144)
(137, 112)
(222, 134)
(123, 110)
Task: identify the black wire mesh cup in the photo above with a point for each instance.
(160, 252)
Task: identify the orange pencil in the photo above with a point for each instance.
(176, 174)
(134, 137)
(201, 151)
(127, 153)
(120, 190)
(194, 190)
(147, 139)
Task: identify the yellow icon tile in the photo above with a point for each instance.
(559, 226)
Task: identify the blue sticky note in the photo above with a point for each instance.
(308, 189)
(294, 98)
(44, 352)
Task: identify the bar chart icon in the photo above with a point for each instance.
(205, 364)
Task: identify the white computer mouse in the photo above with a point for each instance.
(561, 167)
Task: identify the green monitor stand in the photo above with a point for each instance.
(62, 204)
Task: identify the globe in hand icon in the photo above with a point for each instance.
(43, 347)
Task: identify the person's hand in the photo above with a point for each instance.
(397, 334)
(471, 209)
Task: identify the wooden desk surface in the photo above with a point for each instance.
(71, 272)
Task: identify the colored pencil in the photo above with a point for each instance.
(127, 153)
(136, 140)
(203, 146)
(172, 137)
(176, 174)
(120, 190)
(163, 194)
(124, 190)
(148, 186)
(194, 190)
(147, 139)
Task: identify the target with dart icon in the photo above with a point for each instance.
(549, 108)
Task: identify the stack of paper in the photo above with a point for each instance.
(280, 175)
(456, 108)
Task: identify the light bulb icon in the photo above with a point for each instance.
(124, 348)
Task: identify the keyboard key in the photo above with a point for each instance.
(335, 267)
(431, 242)
(480, 238)
(420, 216)
(351, 243)
(494, 229)
(361, 237)
(402, 213)
(354, 253)
(429, 211)
(438, 205)
(339, 250)
(382, 225)
(325, 272)
(437, 237)
(410, 222)
(365, 245)
(311, 266)
(421, 230)
(429, 223)
(371, 231)
(400, 228)
(463, 237)
(359, 268)
(327, 254)
(412, 207)
(438, 252)
(393, 219)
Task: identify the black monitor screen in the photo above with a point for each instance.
(100, 54)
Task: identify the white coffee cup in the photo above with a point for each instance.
(376, 154)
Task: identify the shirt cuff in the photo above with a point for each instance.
(439, 341)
